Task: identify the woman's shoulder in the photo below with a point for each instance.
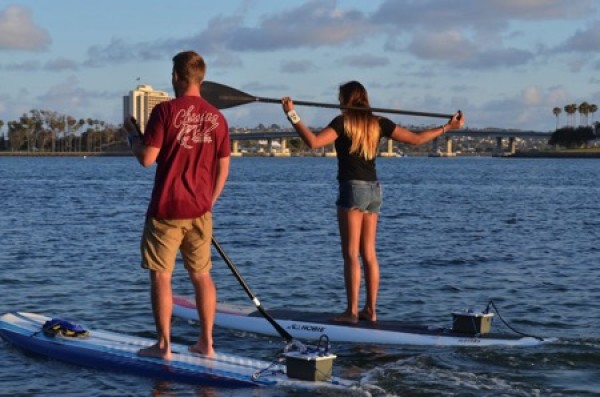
(337, 123)
(387, 126)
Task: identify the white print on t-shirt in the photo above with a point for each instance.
(189, 125)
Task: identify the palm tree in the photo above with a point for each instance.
(556, 112)
(2, 144)
(583, 112)
(570, 110)
(593, 109)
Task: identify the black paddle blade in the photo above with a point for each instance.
(224, 97)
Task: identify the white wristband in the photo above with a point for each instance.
(293, 117)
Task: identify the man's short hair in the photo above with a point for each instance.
(189, 67)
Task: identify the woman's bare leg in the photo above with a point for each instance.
(350, 225)
(370, 265)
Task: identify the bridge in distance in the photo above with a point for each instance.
(497, 133)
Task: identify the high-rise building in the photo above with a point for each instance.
(140, 102)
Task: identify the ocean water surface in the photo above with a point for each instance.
(454, 234)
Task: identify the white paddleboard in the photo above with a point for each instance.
(310, 326)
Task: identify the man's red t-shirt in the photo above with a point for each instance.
(192, 136)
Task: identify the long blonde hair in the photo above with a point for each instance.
(361, 126)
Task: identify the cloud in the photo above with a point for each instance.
(313, 24)
(498, 58)
(212, 41)
(316, 23)
(532, 96)
(297, 67)
(587, 40)
(540, 9)
(225, 60)
(532, 106)
(11, 106)
(26, 66)
(64, 96)
(115, 51)
(472, 33)
(260, 86)
(55, 65)
(365, 61)
(449, 46)
(19, 32)
(489, 14)
(60, 64)
(119, 51)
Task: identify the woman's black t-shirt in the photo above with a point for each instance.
(353, 166)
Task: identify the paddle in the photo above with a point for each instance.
(137, 127)
(224, 97)
(284, 334)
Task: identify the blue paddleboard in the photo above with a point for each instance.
(113, 351)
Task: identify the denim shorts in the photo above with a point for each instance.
(362, 195)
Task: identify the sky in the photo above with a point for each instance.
(504, 63)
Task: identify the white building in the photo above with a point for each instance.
(140, 101)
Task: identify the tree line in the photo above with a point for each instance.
(584, 109)
(572, 135)
(49, 131)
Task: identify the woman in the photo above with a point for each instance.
(356, 134)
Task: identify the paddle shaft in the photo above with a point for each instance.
(223, 97)
(137, 127)
(375, 110)
(284, 334)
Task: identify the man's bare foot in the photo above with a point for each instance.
(156, 352)
(345, 318)
(367, 315)
(199, 349)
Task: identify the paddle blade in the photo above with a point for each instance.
(224, 97)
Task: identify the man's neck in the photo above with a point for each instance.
(191, 90)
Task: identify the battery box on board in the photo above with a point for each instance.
(472, 323)
(312, 366)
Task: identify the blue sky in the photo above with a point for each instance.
(505, 63)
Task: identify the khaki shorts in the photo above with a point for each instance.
(162, 238)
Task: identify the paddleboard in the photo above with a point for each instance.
(113, 351)
(310, 326)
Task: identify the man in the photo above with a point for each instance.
(189, 140)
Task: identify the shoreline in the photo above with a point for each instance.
(557, 155)
(563, 154)
(65, 154)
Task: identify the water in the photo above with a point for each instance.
(454, 234)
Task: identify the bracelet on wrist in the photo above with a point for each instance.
(293, 117)
(443, 129)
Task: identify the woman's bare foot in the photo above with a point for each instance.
(156, 352)
(345, 318)
(199, 349)
(367, 315)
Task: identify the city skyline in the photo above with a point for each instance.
(506, 64)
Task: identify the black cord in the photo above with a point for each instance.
(323, 345)
(487, 310)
